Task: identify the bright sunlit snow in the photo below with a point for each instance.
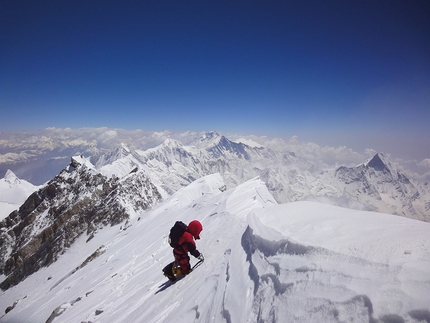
(264, 262)
(13, 192)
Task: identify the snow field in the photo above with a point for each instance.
(296, 262)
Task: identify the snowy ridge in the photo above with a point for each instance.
(296, 262)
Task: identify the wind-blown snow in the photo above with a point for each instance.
(264, 262)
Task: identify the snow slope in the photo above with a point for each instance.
(264, 262)
(13, 192)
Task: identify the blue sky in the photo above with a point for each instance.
(354, 73)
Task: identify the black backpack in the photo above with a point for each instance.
(176, 233)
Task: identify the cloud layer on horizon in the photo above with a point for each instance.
(18, 146)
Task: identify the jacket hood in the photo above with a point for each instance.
(195, 227)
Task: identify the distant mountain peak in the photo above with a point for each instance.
(222, 145)
(380, 162)
(211, 135)
(13, 192)
(10, 176)
(221, 140)
(171, 143)
(210, 138)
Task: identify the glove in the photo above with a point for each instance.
(201, 258)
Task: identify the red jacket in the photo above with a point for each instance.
(187, 244)
(186, 241)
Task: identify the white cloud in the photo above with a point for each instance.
(107, 135)
(413, 169)
(327, 155)
(370, 152)
(425, 163)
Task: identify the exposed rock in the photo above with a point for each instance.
(77, 201)
(10, 308)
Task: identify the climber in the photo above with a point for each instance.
(181, 238)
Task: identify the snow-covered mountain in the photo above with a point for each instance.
(373, 185)
(264, 262)
(13, 192)
(79, 200)
(377, 183)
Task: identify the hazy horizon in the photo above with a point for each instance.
(60, 143)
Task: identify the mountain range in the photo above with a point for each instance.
(66, 224)
(374, 185)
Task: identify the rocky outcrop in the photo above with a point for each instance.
(77, 201)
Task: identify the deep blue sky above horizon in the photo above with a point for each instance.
(354, 73)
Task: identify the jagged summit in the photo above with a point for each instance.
(215, 139)
(224, 146)
(378, 186)
(10, 176)
(10, 180)
(380, 162)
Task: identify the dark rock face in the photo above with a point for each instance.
(77, 201)
(378, 164)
